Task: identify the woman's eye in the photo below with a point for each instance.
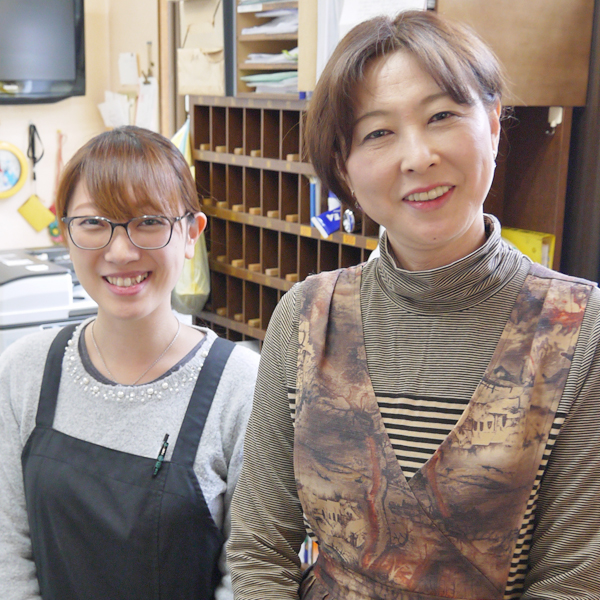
(152, 222)
(445, 114)
(376, 134)
(92, 222)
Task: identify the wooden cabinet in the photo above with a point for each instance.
(544, 45)
(255, 191)
(260, 43)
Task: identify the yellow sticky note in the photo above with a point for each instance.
(35, 213)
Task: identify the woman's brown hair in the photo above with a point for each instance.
(461, 64)
(128, 172)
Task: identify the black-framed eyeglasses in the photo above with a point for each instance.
(148, 232)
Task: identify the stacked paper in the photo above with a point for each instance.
(284, 82)
(282, 21)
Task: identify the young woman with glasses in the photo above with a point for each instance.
(121, 438)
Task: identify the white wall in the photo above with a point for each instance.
(111, 26)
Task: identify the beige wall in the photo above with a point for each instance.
(111, 26)
(132, 23)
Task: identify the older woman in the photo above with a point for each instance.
(431, 414)
(121, 439)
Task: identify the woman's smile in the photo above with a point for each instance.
(126, 280)
(425, 196)
(127, 284)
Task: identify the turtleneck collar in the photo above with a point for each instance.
(456, 286)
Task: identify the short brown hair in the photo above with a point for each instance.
(455, 56)
(127, 172)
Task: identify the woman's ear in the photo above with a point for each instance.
(495, 126)
(195, 228)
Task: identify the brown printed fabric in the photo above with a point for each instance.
(452, 530)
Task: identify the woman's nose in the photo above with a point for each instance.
(120, 248)
(416, 152)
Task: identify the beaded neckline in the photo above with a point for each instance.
(156, 390)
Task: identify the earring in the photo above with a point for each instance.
(356, 204)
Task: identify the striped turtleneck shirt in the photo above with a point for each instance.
(429, 336)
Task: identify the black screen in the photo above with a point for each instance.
(41, 50)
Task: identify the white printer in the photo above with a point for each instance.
(39, 289)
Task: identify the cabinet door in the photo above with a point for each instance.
(543, 44)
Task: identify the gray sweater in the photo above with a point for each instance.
(130, 419)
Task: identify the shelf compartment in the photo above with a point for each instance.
(369, 227)
(235, 242)
(218, 292)
(201, 125)
(235, 186)
(216, 236)
(251, 189)
(202, 178)
(251, 245)
(269, 192)
(308, 257)
(252, 120)
(327, 256)
(218, 128)
(290, 134)
(288, 196)
(304, 200)
(288, 257)
(235, 296)
(270, 134)
(235, 129)
(218, 182)
(251, 304)
(268, 301)
(350, 256)
(268, 250)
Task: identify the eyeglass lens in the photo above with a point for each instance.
(92, 233)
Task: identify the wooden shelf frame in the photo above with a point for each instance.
(261, 43)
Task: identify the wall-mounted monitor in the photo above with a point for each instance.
(42, 50)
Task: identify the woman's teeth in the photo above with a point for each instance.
(430, 195)
(126, 281)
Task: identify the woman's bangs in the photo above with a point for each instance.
(130, 188)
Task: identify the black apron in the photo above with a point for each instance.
(102, 527)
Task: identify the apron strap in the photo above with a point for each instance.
(51, 378)
(189, 436)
